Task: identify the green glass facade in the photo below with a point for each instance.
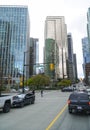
(51, 58)
(56, 29)
(14, 38)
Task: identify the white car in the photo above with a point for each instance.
(88, 91)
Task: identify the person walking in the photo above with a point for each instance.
(41, 93)
(33, 91)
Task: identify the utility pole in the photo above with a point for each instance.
(23, 72)
(62, 64)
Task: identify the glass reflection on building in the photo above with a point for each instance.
(14, 38)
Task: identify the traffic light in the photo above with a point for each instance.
(51, 66)
(21, 81)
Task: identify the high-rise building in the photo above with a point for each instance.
(50, 57)
(70, 58)
(14, 39)
(70, 47)
(86, 54)
(72, 62)
(55, 29)
(75, 67)
(85, 50)
(34, 56)
(88, 26)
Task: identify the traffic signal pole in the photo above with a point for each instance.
(23, 72)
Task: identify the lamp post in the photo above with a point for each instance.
(23, 72)
(24, 69)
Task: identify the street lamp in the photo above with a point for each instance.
(24, 69)
(23, 72)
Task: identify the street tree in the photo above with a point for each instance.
(64, 83)
(38, 81)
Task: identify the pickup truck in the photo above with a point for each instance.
(5, 102)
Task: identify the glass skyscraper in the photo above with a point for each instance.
(55, 29)
(14, 39)
(88, 27)
(70, 58)
(34, 56)
(85, 50)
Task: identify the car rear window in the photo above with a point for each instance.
(79, 96)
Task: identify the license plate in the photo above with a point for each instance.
(79, 107)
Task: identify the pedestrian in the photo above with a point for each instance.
(41, 93)
(33, 91)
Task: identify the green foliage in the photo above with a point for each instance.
(64, 83)
(38, 81)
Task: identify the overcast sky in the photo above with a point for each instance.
(75, 12)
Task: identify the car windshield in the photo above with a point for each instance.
(15, 97)
(79, 96)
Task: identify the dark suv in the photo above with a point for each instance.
(79, 102)
(23, 99)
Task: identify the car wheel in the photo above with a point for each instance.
(32, 102)
(70, 111)
(29, 101)
(88, 112)
(7, 107)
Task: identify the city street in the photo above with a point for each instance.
(43, 115)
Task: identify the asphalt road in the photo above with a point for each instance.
(46, 114)
(67, 121)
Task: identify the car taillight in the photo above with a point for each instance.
(88, 103)
(69, 101)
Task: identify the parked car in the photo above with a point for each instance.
(88, 91)
(67, 89)
(74, 85)
(5, 102)
(26, 89)
(13, 90)
(79, 102)
(82, 89)
(23, 99)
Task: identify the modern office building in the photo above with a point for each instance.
(87, 73)
(88, 26)
(86, 55)
(34, 56)
(85, 50)
(75, 67)
(14, 39)
(70, 47)
(86, 59)
(55, 29)
(70, 58)
(50, 58)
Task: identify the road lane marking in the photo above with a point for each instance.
(55, 119)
